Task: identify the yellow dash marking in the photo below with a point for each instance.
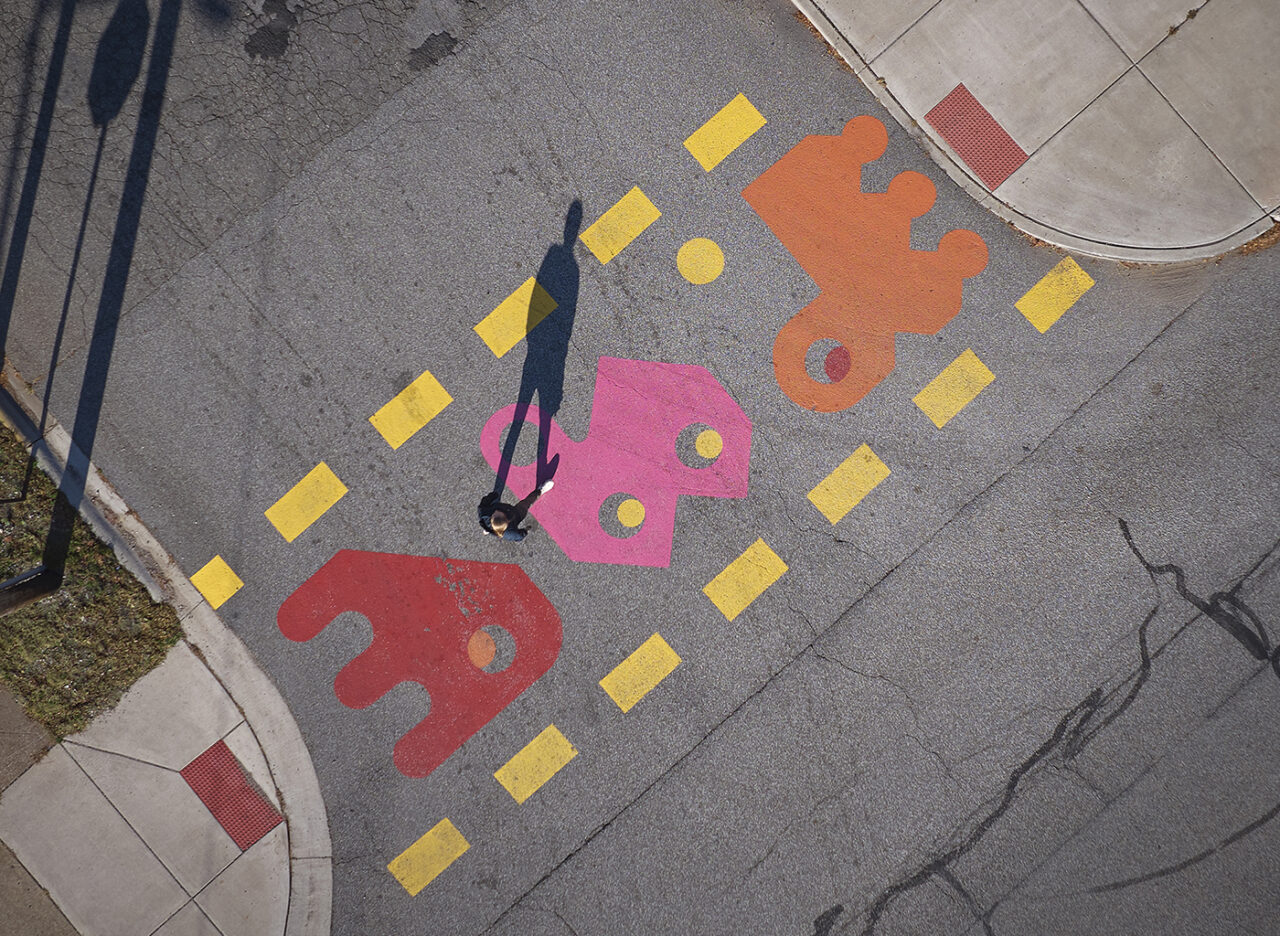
(745, 579)
(620, 225)
(306, 502)
(1058, 291)
(854, 478)
(513, 319)
(217, 582)
(411, 409)
(631, 680)
(732, 126)
(954, 389)
(536, 763)
(421, 863)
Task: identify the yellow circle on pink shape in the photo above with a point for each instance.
(708, 444)
(631, 513)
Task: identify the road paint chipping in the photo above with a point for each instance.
(306, 502)
(954, 389)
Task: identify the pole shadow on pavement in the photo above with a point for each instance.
(117, 65)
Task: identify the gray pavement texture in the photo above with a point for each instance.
(974, 704)
(28, 908)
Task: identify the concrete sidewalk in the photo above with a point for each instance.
(192, 808)
(1131, 129)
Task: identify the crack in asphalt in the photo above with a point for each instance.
(823, 924)
(1079, 726)
(1095, 698)
(1231, 839)
(939, 865)
(1239, 621)
(970, 904)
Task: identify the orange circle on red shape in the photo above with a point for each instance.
(481, 649)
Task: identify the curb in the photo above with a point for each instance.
(979, 193)
(269, 718)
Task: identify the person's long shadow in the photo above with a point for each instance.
(547, 347)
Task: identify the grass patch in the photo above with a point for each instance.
(73, 654)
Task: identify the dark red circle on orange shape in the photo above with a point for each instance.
(837, 363)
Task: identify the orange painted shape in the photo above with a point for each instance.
(857, 248)
(481, 649)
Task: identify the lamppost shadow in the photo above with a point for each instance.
(118, 62)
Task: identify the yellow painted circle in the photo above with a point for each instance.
(631, 512)
(709, 444)
(700, 260)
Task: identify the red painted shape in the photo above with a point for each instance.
(857, 247)
(837, 364)
(222, 785)
(423, 611)
(976, 136)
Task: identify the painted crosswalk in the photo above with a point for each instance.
(637, 675)
(851, 481)
(1056, 292)
(728, 129)
(411, 409)
(745, 579)
(620, 225)
(306, 502)
(954, 389)
(517, 315)
(536, 763)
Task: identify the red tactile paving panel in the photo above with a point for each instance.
(974, 134)
(220, 782)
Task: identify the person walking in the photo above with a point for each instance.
(503, 520)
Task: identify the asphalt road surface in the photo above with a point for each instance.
(1024, 684)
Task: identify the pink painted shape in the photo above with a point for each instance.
(639, 410)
